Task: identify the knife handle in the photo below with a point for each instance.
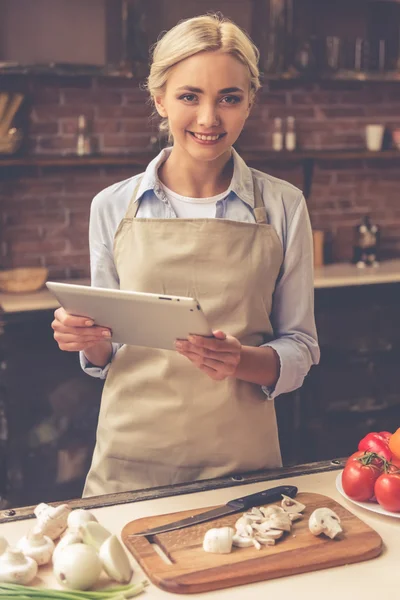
(270, 495)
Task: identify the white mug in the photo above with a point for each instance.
(374, 137)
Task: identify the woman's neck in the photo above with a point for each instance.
(196, 179)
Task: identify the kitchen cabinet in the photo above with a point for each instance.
(50, 410)
(356, 387)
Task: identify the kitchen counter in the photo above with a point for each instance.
(346, 274)
(364, 580)
(329, 276)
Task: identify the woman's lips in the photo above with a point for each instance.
(207, 140)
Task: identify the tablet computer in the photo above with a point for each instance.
(135, 318)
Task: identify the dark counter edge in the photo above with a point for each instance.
(26, 512)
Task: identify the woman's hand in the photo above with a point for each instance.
(218, 357)
(74, 334)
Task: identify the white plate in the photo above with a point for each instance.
(372, 506)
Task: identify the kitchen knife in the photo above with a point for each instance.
(233, 506)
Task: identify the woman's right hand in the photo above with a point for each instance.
(75, 334)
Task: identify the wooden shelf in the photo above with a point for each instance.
(138, 71)
(143, 158)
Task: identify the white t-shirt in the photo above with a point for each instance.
(193, 208)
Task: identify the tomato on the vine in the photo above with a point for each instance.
(387, 491)
(361, 471)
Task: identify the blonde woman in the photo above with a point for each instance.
(199, 222)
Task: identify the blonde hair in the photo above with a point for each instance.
(199, 34)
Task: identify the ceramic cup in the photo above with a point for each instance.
(374, 137)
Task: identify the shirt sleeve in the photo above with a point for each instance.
(292, 315)
(103, 274)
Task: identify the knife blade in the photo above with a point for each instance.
(233, 506)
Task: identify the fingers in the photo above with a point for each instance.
(219, 369)
(218, 358)
(71, 320)
(75, 334)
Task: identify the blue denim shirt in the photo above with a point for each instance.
(292, 316)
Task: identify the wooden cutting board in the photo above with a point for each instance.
(193, 570)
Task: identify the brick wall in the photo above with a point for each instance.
(44, 212)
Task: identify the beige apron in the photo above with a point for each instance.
(163, 421)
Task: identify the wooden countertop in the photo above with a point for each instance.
(364, 580)
(329, 276)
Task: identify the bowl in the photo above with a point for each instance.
(23, 279)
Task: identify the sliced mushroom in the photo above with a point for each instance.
(242, 541)
(244, 526)
(278, 521)
(325, 520)
(272, 533)
(266, 541)
(268, 511)
(291, 505)
(295, 516)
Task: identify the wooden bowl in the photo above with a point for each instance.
(24, 279)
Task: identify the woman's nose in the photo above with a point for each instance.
(207, 116)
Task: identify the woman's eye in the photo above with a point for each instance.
(188, 97)
(231, 99)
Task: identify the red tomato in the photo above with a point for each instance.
(387, 491)
(374, 458)
(358, 479)
(385, 434)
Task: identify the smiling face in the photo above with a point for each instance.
(207, 102)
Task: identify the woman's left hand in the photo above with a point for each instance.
(218, 357)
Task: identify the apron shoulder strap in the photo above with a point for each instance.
(133, 206)
(260, 212)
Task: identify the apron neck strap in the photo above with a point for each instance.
(260, 212)
(133, 205)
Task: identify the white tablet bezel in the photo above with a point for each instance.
(135, 318)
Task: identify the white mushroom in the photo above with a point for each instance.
(254, 514)
(41, 509)
(52, 520)
(268, 511)
(295, 516)
(218, 540)
(244, 526)
(278, 521)
(37, 546)
(325, 520)
(291, 505)
(77, 566)
(79, 517)
(15, 567)
(242, 541)
(268, 532)
(115, 561)
(266, 541)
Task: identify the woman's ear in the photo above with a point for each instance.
(160, 108)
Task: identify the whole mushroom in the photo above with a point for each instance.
(15, 567)
(326, 521)
(37, 546)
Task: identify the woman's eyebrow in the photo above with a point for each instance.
(196, 90)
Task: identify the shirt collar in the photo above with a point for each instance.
(241, 184)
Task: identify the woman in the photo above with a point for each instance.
(199, 223)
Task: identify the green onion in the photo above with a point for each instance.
(12, 591)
